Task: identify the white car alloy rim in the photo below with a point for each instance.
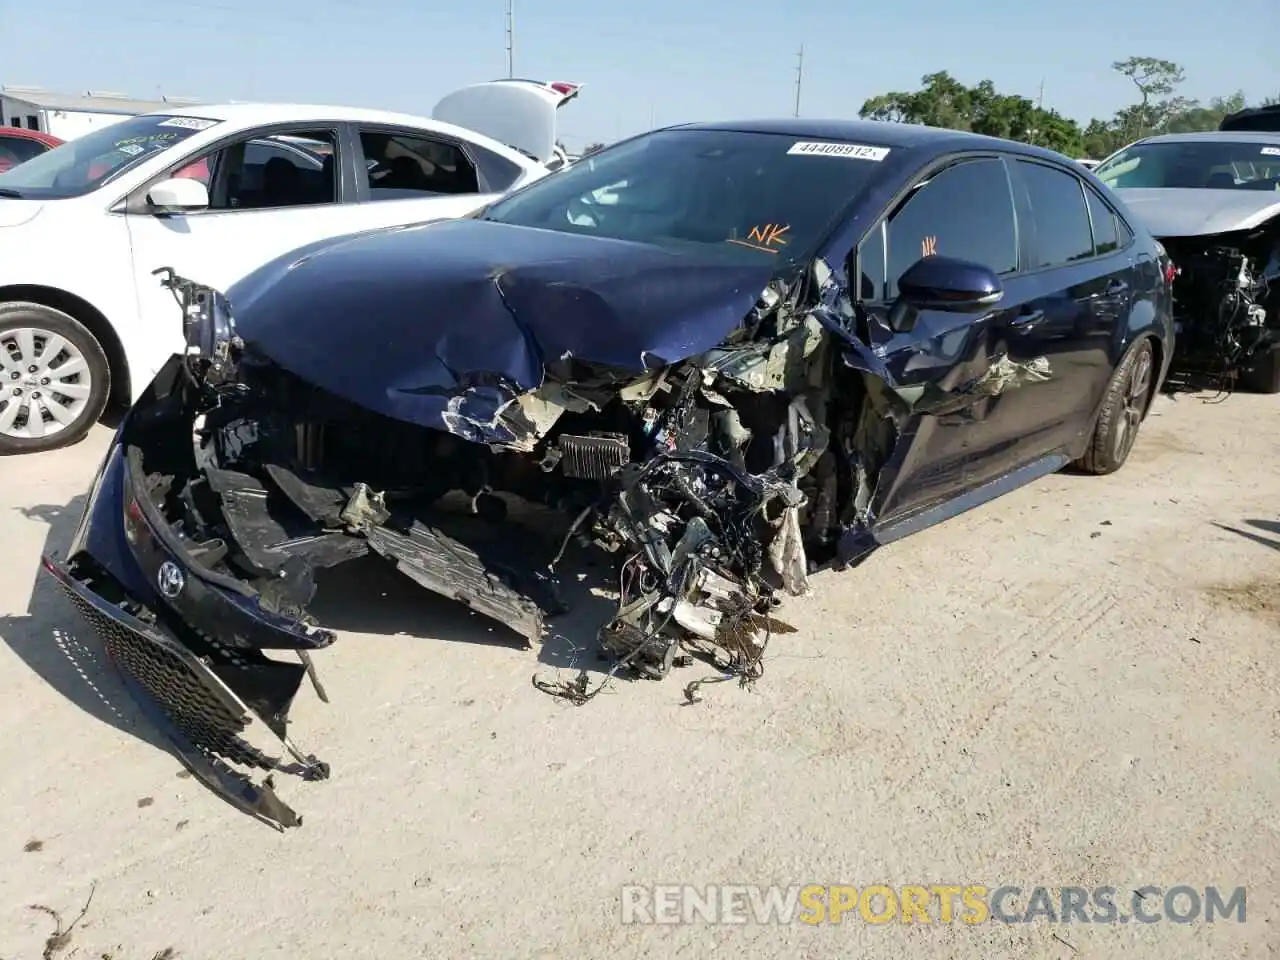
(44, 383)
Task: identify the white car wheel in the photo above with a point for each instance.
(53, 378)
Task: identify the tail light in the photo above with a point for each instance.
(1171, 271)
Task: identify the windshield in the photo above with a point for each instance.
(751, 195)
(86, 163)
(1198, 164)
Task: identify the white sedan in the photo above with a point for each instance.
(213, 192)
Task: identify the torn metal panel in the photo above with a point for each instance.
(778, 365)
(1003, 374)
(454, 569)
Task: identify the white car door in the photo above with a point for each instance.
(269, 193)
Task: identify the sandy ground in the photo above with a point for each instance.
(1077, 684)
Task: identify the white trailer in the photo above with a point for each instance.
(68, 116)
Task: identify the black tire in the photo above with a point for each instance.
(22, 393)
(1263, 374)
(1123, 408)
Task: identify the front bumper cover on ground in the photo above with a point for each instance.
(219, 702)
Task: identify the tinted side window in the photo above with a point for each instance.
(871, 283)
(497, 172)
(266, 173)
(1061, 217)
(963, 211)
(401, 166)
(1123, 232)
(1106, 235)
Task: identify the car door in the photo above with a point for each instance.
(963, 209)
(407, 175)
(1074, 291)
(270, 191)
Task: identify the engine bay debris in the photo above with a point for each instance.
(710, 487)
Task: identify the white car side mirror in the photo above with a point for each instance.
(179, 194)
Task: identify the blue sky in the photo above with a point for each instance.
(661, 60)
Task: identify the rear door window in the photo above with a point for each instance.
(1106, 232)
(1058, 208)
(965, 211)
(402, 166)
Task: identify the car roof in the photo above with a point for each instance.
(256, 114)
(879, 132)
(1217, 136)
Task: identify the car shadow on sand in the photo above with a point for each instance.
(370, 596)
(366, 596)
(57, 645)
(1266, 526)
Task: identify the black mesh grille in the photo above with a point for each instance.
(200, 714)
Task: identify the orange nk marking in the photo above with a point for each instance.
(769, 235)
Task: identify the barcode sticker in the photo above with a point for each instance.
(852, 151)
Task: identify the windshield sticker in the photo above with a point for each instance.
(929, 246)
(188, 123)
(132, 149)
(1271, 151)
(149, 138)
(853, 151)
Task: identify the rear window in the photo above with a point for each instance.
(747, 195)
(86, 163)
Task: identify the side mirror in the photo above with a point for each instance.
(178, 195)
(943, 283)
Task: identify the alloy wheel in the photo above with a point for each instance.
(45, 383)
(1136, 393)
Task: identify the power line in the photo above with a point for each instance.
(511, 38)
(799, 77)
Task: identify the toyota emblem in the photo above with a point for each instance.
(170, 579)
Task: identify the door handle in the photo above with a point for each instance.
(1027, 318)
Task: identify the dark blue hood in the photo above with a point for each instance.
(406, 320)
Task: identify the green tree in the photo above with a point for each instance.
(943, 101)
(1154, 78)
(1195, 116)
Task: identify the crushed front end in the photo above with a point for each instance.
(1227, 307)
(190, 641)
(715, 484)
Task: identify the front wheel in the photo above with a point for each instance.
(54, 379)
(1123, 407)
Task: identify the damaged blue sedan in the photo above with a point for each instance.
(727, 355)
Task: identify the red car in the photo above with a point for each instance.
(18, 145)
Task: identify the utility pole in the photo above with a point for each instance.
(799, 77)
(511, 38)
(1035, 132)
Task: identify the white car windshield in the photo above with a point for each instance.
(744, 194)
(1195, 164)
(82, 165)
